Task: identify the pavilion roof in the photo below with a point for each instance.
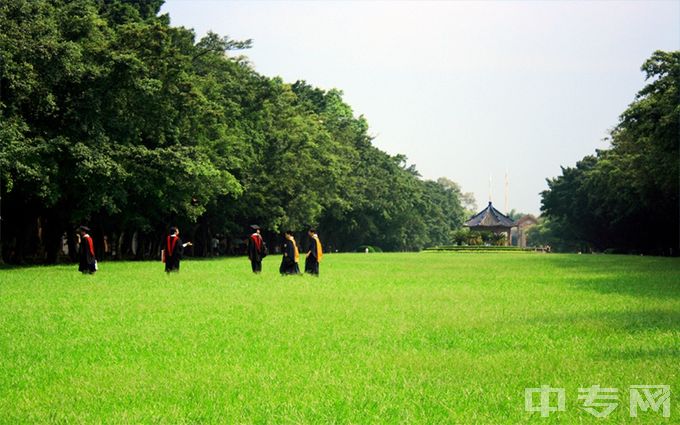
(490, 217)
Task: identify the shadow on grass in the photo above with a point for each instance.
(610, 335)
(630, 321)
(654, 277)
(14, 266)
(29, 265)
(644, 328)
(636, 353)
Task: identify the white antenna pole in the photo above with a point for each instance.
(507, 183)
(489, 187)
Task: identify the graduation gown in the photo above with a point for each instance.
(86, 255)
(173, 253)
(256, 251)
(255, 245)
(291, 256)
(314, 257)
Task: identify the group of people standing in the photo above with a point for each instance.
(257, 250)
(173, 250)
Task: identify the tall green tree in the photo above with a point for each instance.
(626, 197)
(112, 117)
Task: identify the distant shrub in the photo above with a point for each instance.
(461, 236)
(475, 238)
(471, 248)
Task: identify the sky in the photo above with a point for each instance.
(471, 91)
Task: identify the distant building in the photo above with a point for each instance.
(490, 219)
(524, 223)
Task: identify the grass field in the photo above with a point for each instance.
(378, 338)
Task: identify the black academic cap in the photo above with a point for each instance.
(85, 228)
(255, 227)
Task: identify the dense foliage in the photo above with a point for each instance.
(625, 198)
(110, 116)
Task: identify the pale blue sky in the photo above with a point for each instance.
(464, 89)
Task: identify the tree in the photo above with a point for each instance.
(626, 197)
(112, 117)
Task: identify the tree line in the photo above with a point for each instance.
(111, 117)
(626, 198)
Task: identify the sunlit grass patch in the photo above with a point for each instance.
(387, 338)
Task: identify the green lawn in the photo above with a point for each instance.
(378, 338)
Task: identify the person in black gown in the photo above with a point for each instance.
(314, 254)
(291, 255)
(88, 261)
(257, 249)
(173, 251)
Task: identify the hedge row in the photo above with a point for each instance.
(478, 249)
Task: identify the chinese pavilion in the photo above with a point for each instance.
(490, 219)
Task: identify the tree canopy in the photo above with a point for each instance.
(112, 117)
(625, 198)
